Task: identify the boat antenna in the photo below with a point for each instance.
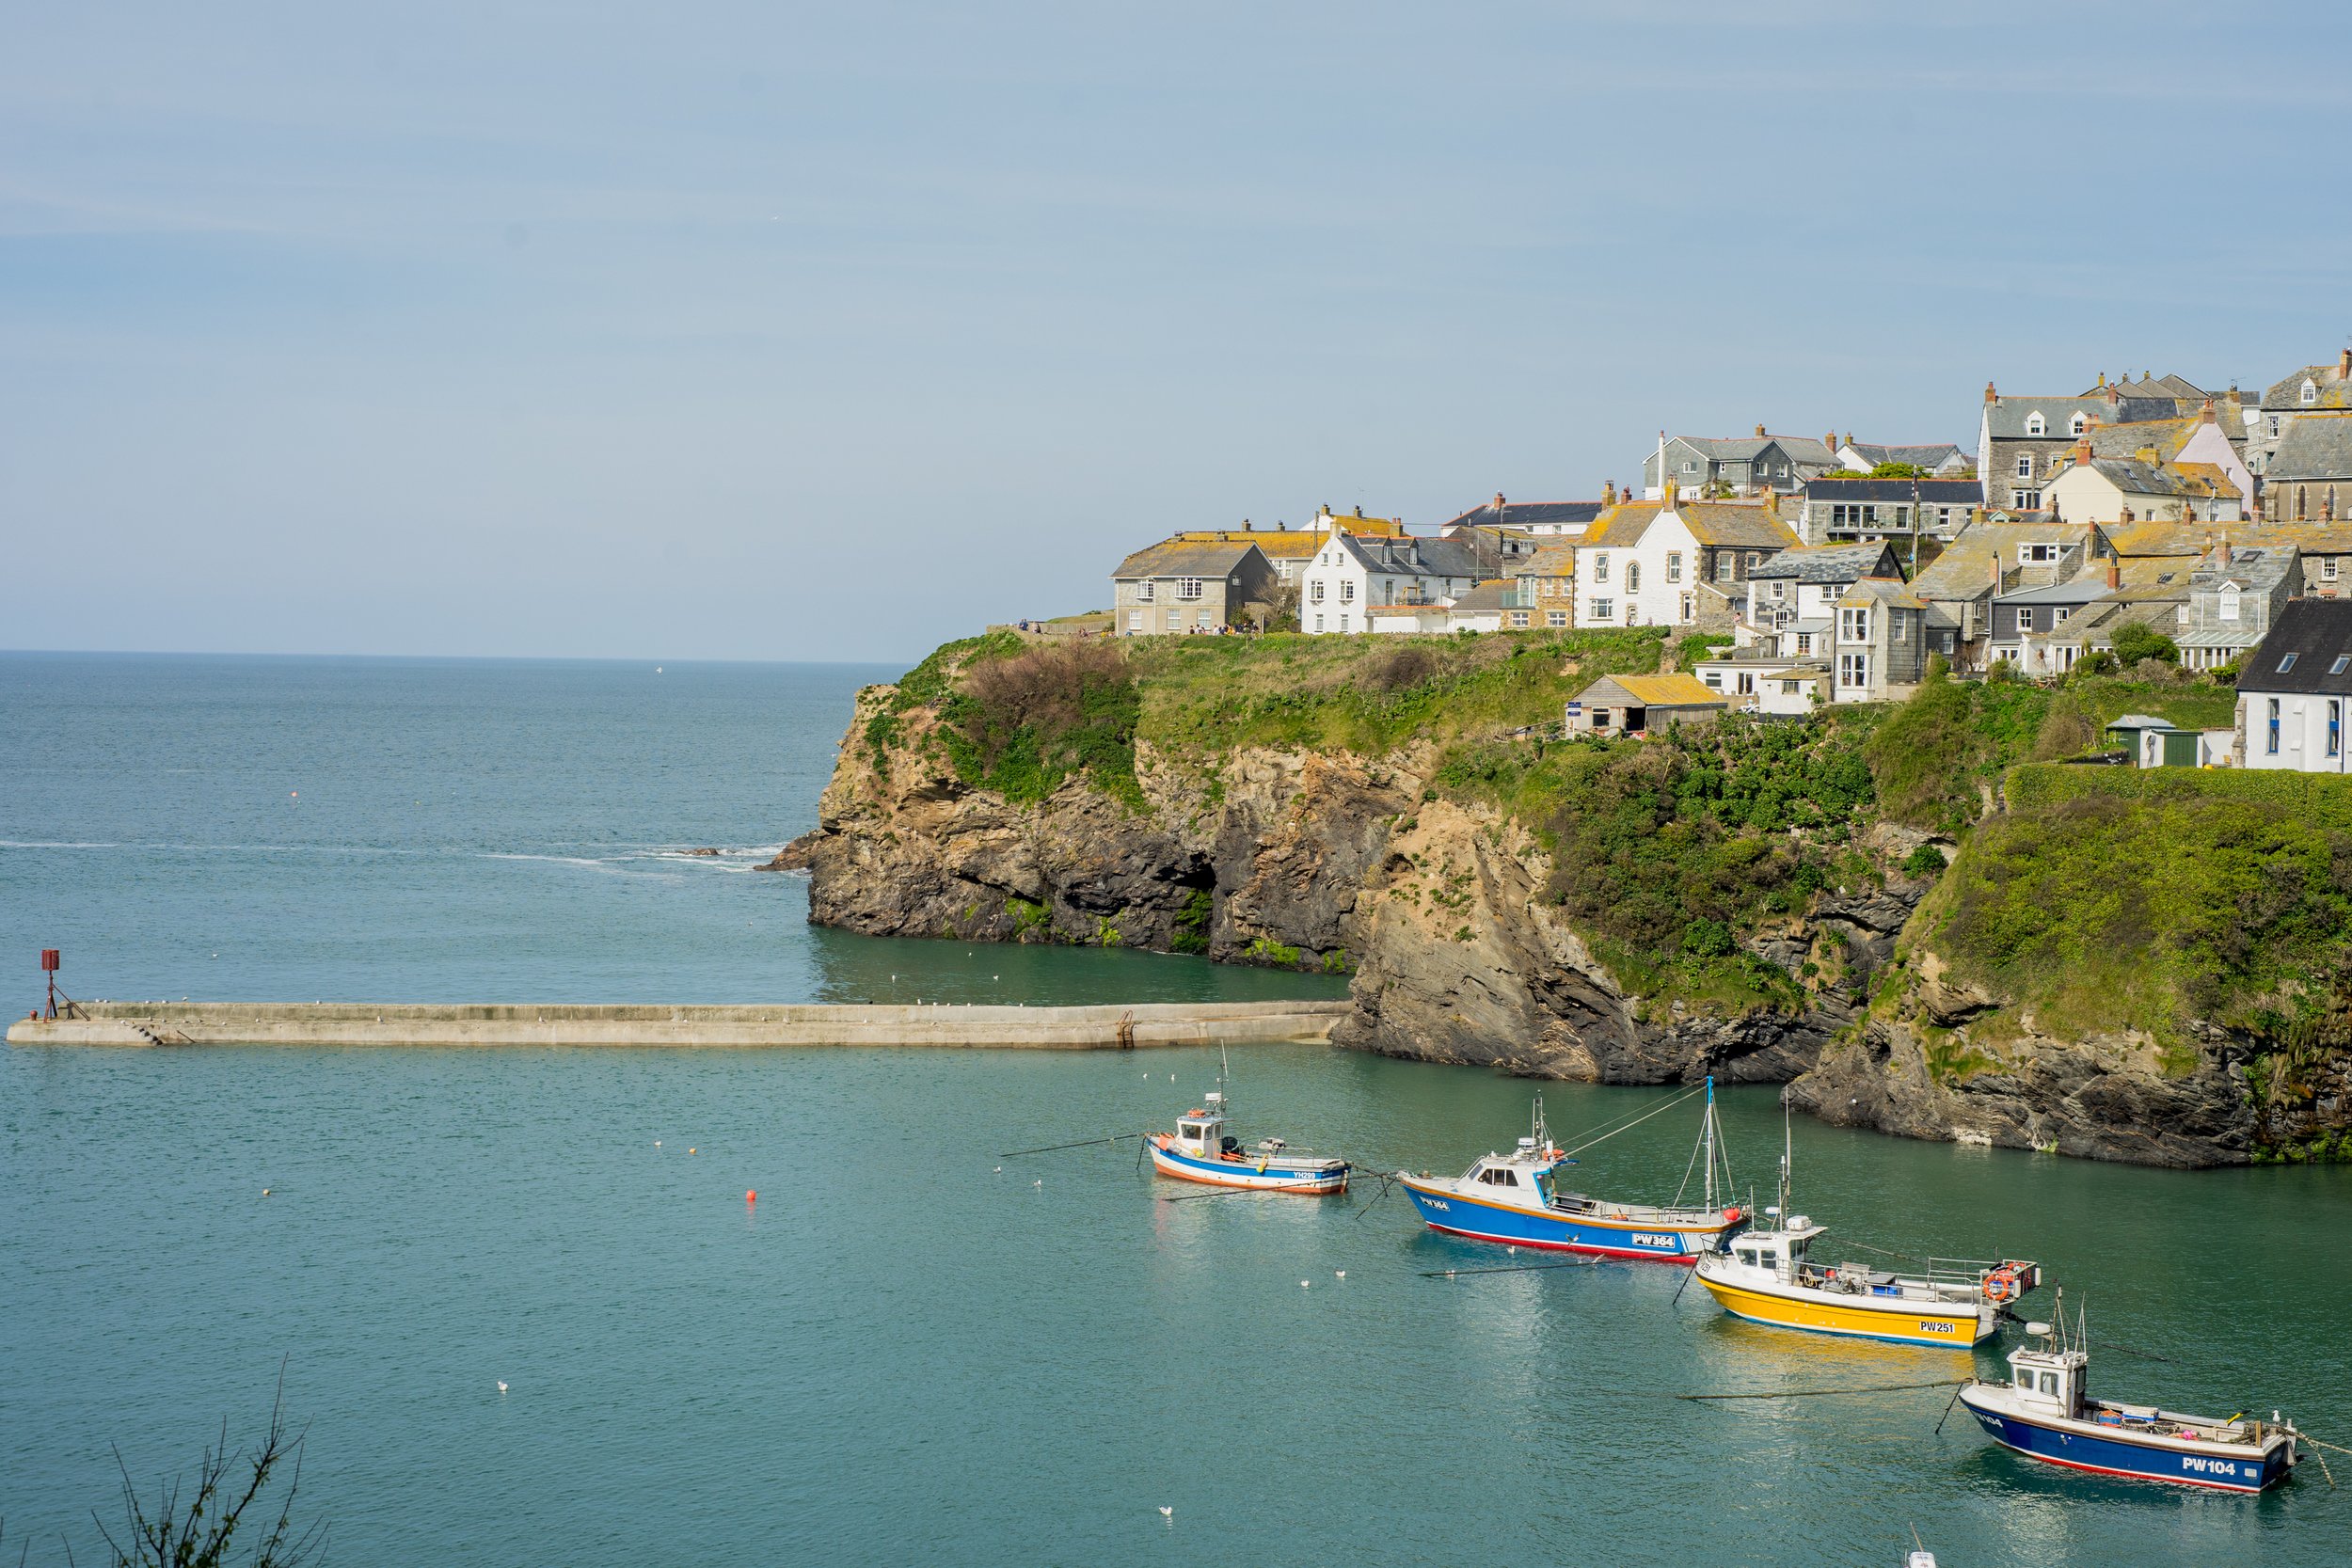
(1787, 1161)
(1224, 1072)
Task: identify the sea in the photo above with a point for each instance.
(525, 1308)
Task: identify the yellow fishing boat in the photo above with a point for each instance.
(1769, 1277)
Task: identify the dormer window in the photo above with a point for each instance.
(2076, 425)
(2310, 390)
(2035, 424)
(2286, 663)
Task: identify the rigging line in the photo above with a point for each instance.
(1631, 1125)
(1237, 1192)
(1610, 1124)
(1082, 1143)
(2316, 1442)
(1522, 1268)
(1824, 1393)
(1695, 1149)
(2008, 1316)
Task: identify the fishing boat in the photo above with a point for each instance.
(2043, 1413)
(1201, 1150)
(1769, 1277)
(1512, 1198)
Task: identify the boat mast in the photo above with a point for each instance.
(1709, 1134)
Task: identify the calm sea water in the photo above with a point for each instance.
(912, 1349)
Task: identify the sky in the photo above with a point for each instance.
(782, 332)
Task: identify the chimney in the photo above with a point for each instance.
(2115, 574)
(1608, 493)
(2344, 365)
(1830, 441)
(2115, 399)
(1759, 433)
(1993, 561)
(1360, 509)
(2103, 380)
(1850, 438)
(2223, 554)
(2082, 448)
(2129, 516)
(2204, 415)
(1498, 506)
(1244, 525)
(1772, 501)
(1990, 395)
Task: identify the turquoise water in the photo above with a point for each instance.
(903, 1353)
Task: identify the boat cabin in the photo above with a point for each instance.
(1520, 1174)
(2049, 1382)
(1778, 1254)
(1202, 1130)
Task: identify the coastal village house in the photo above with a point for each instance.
(2309, 477)
(1791, 610)
(1542, 595)
(1352, 574)
(1938, 459)
(1287, 550)
(1881, 647)
(2092, 489)
(1643, 705)
(2199, 439)
(1842, 510)
(1988, 558)
(2234, 596)
(2293, 688)
(1542, 520)
(2313, 390)
(1701, 466)
(1182, 585)
(1682, 564)
(2020, 441)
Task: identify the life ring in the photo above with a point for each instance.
(2000, 1285)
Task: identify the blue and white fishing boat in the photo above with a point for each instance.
(2043, 1413)
(1201, 1150)
(1512, 1198)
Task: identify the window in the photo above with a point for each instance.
(1347, 593)
(1747, 682)
(1315, 592)
(2036, 555)
(1555, 617)
(1187, 588)
(1805, 641)
(2035, 424)
(1518, 618)
(2077, 424)
(1318, 622)
(1601, 567)
(1689, 467)
(2327, 570)
(1722, 567)
(2271, 727)
(2057, 617)
(2025, 465)
(1343, 620)
(2311, 393)
(2342, 661)
(1632, 576)
(1144, 591)
(1853, 625)
(2274, 424)
(2049, 1384)
(2026, 500)
(2227, 607)
(1674, 566)
(1780, 588)
(1134, 623)
(1202, 620)
(2335, 725)
(1604, 609)
(1714, 679)
(1689, 605)
(2286, 663)
(2025, 620)
(1788, 689)
(1854, 671)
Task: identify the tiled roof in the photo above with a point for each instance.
(1181, 557)
(2334, 391)
(1440, 558)
(1822, 562)
(2318, 633)
(1622, 524)
(1278, 543)
(2135, 477)
(1676, 690)
(2007, 417)
(1886, 591)
(1529, 515)
(2318, 448)
(1960, 572)
(1726, 523)
(1934, 492)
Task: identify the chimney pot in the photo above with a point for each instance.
(1993, 561)
(1990, 395)
(1759, 433)
(2344, 365)
(2115, 574)
(2082, 448)
(2224, 552)
(1608, 493)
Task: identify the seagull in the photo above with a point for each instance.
(1302, 1284)
(1342, 1273)
(1000, 1170)
(1039, 1183)
(657, 1143)
(502, 1385)
(1168, 1514)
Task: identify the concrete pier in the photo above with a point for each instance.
(1094, 1028)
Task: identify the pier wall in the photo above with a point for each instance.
(1091, 1028)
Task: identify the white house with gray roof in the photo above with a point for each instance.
(2293, 690)
(1937, 459)
(1792, 596)
(1352, 574)
(2234, 594)
(2020, 441)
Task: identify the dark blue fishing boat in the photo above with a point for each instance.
(2044, 1414)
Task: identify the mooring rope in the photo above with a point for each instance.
(1082, 1143)
(1823, 1393)
(1518, 1268)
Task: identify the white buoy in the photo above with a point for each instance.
(502, 1385)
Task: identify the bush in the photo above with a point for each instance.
(2136, 642)
(2097, 664)
(1404, 669)
(1925, 860)
(1021, 725)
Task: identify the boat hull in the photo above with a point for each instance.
(1858, 1317)
(1272, 1176)
(2106, 1452)
(1443, 1207)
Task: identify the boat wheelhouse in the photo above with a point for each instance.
(1511, 1198)
(1201, 1150)
(2045, 1413)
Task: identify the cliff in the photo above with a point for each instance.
(1765, 902)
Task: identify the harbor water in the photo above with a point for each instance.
(910, 1347)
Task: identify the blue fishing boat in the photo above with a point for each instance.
(2043, 1413)
(1201, 1150)
(1512, 1198)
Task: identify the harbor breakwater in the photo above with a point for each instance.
(1073, 1028)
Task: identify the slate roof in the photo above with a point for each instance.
(1622, 524)
(2080, 589)
(1182, 558)
(2127, 440)
(1824, 563)
(2202, 480)
(2258, 567)
(2319, 448)
(1484, 599)
(2135, 540)
(1932, 492)
(2318, 632)
(1722, 524)
(1960, 572)
(1929, 456)
(1435, 558)
(1529, 515)
(2156, 387)
(1886, 591)
(1549, 561)
(1804, 450)
(2335, 391)
(1276, 543)
(2007, 417)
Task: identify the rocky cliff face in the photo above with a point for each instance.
(1440, 910)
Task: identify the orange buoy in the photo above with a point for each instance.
(751, 1197)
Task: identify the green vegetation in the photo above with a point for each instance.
(1192, 923)
(2110, 899)
(2135, 641)
(1266, 950)
(1695, 647)
(1031, 922)
(1925, 860)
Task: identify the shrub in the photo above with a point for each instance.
(2099, 662)
(1021, 724)
(1925, 861)
(2136, 642)
(1404, 668)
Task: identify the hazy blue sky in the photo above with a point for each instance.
(781, 332)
